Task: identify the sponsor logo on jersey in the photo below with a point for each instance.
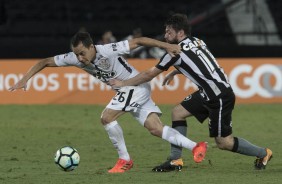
(66, 55)
(104, 76)
(134, 104)
(114, 46)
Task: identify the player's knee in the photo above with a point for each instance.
(156, 132)
(105, 120)
(154, 128)
(224, 145)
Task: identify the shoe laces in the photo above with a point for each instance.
(121, 162)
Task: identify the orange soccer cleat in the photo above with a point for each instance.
(121, 166)
(199, 151)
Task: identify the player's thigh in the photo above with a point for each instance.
(148, 108)
(193, 105)
(179, 113)
(220, 117)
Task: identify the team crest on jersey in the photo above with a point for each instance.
(188, 98)
(104, 63)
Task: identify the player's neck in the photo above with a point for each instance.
(94, 55)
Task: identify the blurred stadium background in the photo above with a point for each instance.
(245, 35)
(231, 28)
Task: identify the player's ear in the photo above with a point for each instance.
(180, 32)
(91, 47)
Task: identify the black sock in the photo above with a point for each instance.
(181, 127)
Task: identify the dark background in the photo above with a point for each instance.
(42, 28)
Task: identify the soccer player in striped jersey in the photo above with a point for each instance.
(105, 62)
(214, 98)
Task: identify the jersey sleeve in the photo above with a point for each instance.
(114, 49)
(167, 61)
(68, 59)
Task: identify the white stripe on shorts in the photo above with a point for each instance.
(219, 118)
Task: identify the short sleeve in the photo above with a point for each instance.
(67, 59)
(114, 49)
(167, 61)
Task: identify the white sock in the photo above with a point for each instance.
(174, 137)
(116, 136)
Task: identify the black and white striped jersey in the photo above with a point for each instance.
(198, 64)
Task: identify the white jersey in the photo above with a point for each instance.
(108, 64)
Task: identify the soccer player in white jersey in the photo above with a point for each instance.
(106, 62)
(214, 100)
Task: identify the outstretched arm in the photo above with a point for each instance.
(48, 62)
(142, 77)
(172, 49)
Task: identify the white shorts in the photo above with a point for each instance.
(136, 100)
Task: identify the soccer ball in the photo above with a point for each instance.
(67, 158)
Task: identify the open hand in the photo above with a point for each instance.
(18, 85)
(167, 79)
(173, 50)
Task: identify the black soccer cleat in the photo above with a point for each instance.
(260, 163)
(169, 165)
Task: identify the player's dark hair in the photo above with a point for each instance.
(81, 37)
(179, 22)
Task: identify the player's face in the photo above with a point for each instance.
(84, 55)
(171, 35)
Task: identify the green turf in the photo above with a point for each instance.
(30, 136)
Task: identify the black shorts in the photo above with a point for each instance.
(219, 111)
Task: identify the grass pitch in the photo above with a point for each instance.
(30, 136)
